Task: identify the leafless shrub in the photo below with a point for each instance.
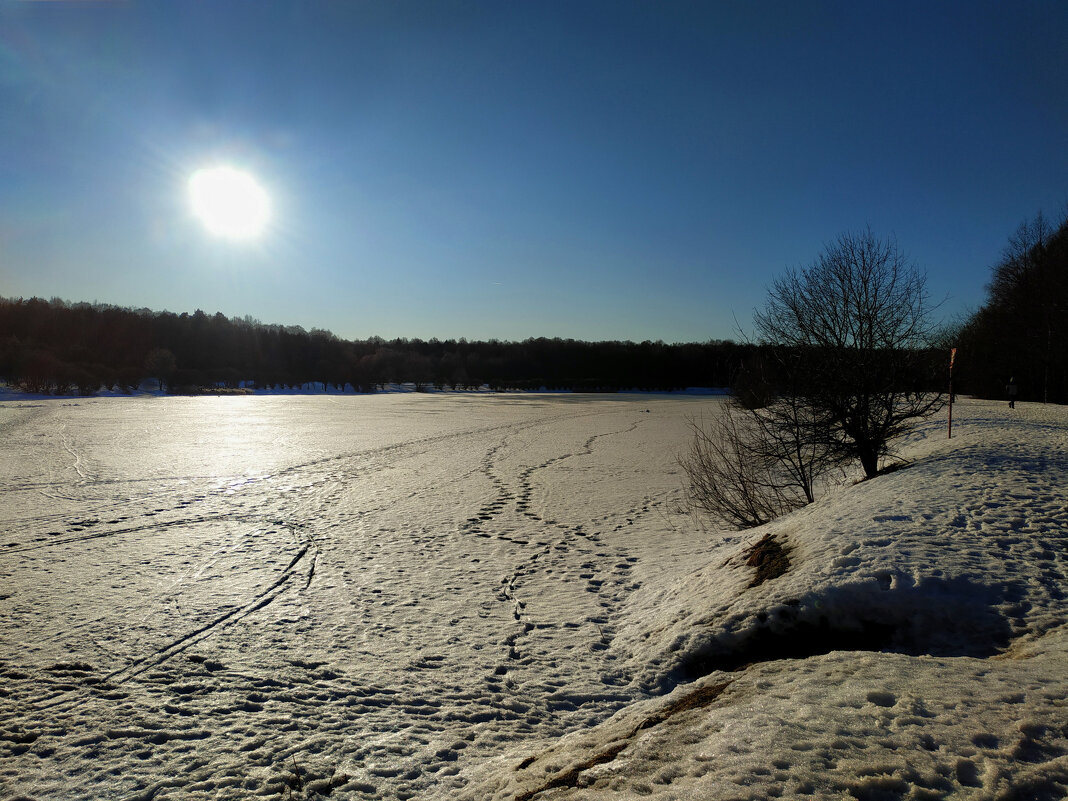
(749, 466)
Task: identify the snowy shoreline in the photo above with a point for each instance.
(497, 597)
(317, 389)
(917, 647)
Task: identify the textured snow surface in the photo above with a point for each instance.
(233, 597)
(926, 615)
(495, 597)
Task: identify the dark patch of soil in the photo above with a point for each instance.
(569, 778)
(769, 558)
(697, 699)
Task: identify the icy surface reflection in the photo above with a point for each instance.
(223, 597)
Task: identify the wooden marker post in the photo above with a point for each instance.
(952, 358)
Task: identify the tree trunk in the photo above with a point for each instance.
(869, 460)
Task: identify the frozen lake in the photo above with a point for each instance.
(231, 597)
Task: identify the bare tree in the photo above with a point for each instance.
(850, 334)
(750, 465)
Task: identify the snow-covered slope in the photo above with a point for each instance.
(916, 646)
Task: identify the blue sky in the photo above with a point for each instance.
(597, 170)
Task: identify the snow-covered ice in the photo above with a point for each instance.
(472, 596)
(252, 595)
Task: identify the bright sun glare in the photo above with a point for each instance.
(229, 202)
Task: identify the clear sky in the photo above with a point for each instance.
(597, 170)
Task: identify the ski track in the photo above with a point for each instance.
(367, 621)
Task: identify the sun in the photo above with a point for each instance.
(229, 202)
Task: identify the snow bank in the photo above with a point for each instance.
(915, 647)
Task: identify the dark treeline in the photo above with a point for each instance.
(58, 347)
(1021, 331)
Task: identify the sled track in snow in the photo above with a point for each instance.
(261, 600)
(177, 646)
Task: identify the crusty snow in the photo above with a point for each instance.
(499, 597)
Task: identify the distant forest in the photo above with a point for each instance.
(58, 348)
(55, 347)
(1021, 332)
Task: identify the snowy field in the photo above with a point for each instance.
(495, 597)
(232, 597)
